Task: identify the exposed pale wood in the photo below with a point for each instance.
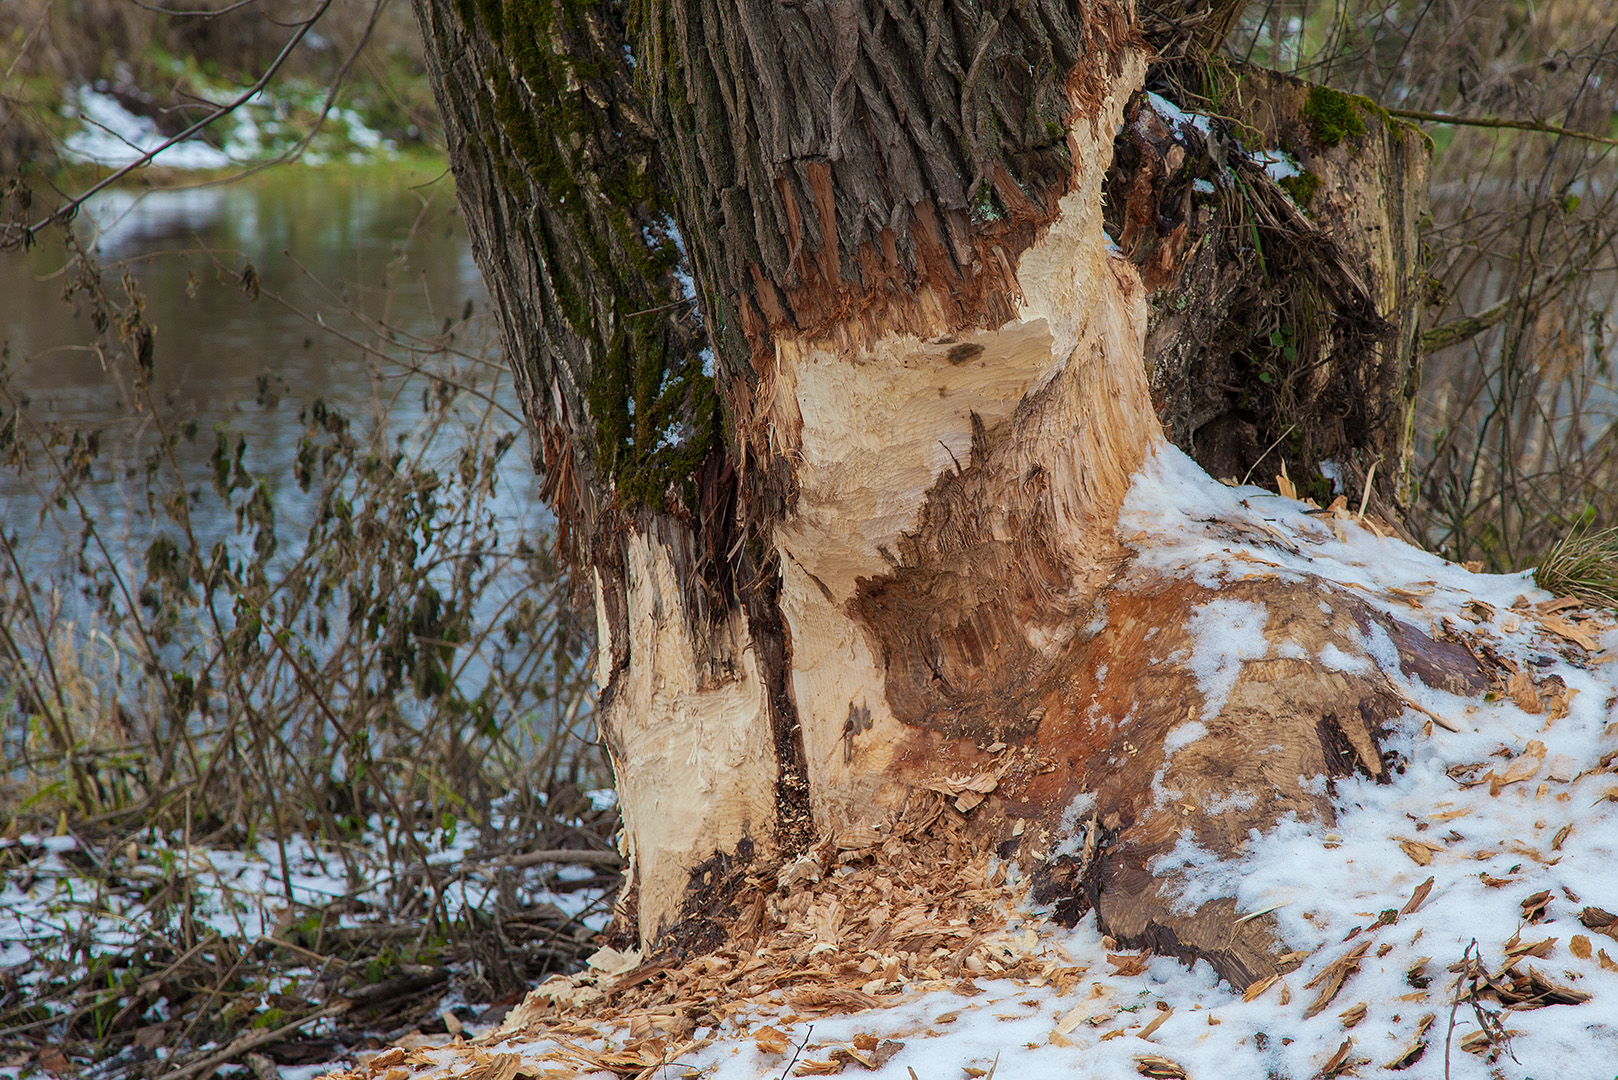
(688, 728)
(923, 466)
(900, 572)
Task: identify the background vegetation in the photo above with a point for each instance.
(1517, 426)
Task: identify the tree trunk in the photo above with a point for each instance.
(838, 324)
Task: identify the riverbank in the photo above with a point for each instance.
(102, 85)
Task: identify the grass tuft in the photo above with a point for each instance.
(1583, 564)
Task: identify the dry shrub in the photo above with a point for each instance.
(1517, 422)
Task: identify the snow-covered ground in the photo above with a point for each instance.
(109, 134)
(65, 905)
(1488, 859)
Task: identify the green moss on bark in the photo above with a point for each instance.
(603, 228)
(1333, 115)
(1301, 188)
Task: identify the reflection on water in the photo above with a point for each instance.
(349, 268)
(330, 252)
(319, 242)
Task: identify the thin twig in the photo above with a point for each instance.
(1541, 126)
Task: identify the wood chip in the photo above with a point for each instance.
(1417, 1048)
(1522, 691)
(1338, 1063)
(1540, 949)
(1160, 1068)
(1600, 920)
(1533, 908)
(1571, 631)
(1579, 946)
(770, 1040)
(1417, 898)
(1256, 989)
(1156, 1022)
(1331, 978)
(1421, 854)
(1128, 963)
(1522, 767)
(387, 1058)
(1071, 1019)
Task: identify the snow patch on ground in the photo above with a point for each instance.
(259, 129)
(113, 136)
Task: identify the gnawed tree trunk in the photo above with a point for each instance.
(849, 506)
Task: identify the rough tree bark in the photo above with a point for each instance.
(842, 327)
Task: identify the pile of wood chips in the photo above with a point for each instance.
(861, 921)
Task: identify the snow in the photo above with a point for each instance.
(48, 906)
(1176, 115)
(113, 136)
(1278, 163)
(1344, 886)
(1224, 634)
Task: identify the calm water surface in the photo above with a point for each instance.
(331, 250)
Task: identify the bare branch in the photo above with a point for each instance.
(1542, 126)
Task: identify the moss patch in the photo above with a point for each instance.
(1301, 187)
(1332, 115)
(604, 229)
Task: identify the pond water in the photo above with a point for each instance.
(327, 248)
(361, 275)
(335, 254)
